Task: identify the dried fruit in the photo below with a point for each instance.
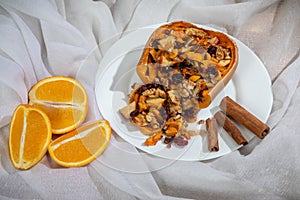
(152, 140)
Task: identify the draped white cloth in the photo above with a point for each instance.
(63, 37)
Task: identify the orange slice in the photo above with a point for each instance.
(63, 99)
(81, 146)
(29, 136)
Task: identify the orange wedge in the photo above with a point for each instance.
(29, 136)
(81, 146)
(63, 99)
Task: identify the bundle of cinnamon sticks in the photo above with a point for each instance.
(230, 114)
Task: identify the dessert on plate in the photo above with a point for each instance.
(182, 67)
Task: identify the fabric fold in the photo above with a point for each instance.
(60, 37)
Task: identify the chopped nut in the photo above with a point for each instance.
(149, 92)
(148, 118)
(184, 93)
(125, 111)
(160, 93)
(213, 40)
(195, 32)
(155, 101)
(168, 42)
(154, 125)
(173, 97)
(223, 63)
(220, 54)
(175, 109)
(178, 116)
(166, 62)
(194, 56)
(191, 85)
(189, 103)
(165, 82)
(207, 56)
(210, 84)
(156, 114)
(140, 120)
(227, 54)
(186, 49)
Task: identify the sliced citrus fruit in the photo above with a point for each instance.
(63, 99)
(81, 146)
(29, 136)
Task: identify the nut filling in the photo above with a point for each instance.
(190, 62)
(156, 110)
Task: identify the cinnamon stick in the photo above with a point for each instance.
(244, 117)
(230, 127)
(212, 134)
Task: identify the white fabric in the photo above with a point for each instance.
(55, 37)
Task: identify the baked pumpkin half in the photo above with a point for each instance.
(194, 62)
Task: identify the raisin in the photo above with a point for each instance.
(155, 85)
(134, 113)
(212, 50)
(142, 89)
(168, 140)
(180, 141)
(182, 65)
(149, 86)
(162, 87)
(187, 76)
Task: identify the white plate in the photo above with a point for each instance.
(250, 86)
